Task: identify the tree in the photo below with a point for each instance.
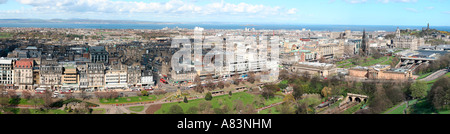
(175, 109)
(395, 94)
(380, 101)
(283, 74)
(259, 101)
(14, 101)
(26, 94)
(376, 54)
(144, 93)
(192, 110)
(418, 89)
(238, 106)
(298, 91)
(47, 97)
(210, 82)
(198, 84)
(221, 84)
(326, 91)
(185, 100)
(251, 77)
(236, 78)
(286, 109)
(269, 91)
(440, 94)
(230, 93)
(208, 96)
(205, 108)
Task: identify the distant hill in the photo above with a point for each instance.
(81, 21)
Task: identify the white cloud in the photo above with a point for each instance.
(172, 7)
(429, 8)
(355, 1)
(412, 10)
(3, 1)
(382, 1)
(292, 11)
(400, 1)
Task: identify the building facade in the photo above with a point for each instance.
(23, 74)
(96, 76)
(7, 73)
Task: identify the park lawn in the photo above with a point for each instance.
(372, 61)
(424, 75)
(388, 62)
(273, 110)
(29, 102)
(432, 82)
(50, 111)
(399, 109)
(246, 98)
(98, 111)
(133, 99)
(353, 109)
(444, 112)
(5, 35)
(136, 108)
(273, 100)
(421, 107)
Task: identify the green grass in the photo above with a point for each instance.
(424, 75)
(246, 98)
(422, 107)
(370, 61)
(50, 111)
(136, 108)
(444, 112)
(98, 111)
(399, 109)
(29, 102)
(5, 35)
(131, 99)
(352, 109)
(433, 81)
(272, 110)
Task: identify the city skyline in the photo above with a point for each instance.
(327, 12)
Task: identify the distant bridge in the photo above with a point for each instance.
(357, 97)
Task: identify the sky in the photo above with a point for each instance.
(328, 12)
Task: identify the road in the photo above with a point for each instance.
(435, 75)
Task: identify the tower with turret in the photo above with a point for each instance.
(364, 44)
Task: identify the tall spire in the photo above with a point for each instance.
(397, 32)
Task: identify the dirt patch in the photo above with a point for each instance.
(153, 108)
(128, 99)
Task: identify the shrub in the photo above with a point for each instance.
(208, 96)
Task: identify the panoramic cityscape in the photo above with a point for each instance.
(224, 57)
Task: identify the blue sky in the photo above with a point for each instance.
(337, 12)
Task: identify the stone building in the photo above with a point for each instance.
(50, 76)
(83, 77)
(69, 78)
(134, 75)
(96, 76)
(116, 77)
(314, 68)
(147, 79)
(23, 74)
(371, 73)
(98, 54)
(409, 42)
(7, 73)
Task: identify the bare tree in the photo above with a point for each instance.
(26, 94)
